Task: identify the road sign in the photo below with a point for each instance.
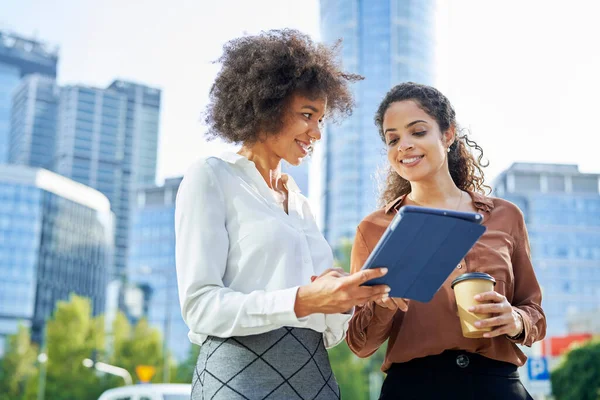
(537, 368)
(145, 372)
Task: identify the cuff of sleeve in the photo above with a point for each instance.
(337, 326)
(279, 308)
(524, 337)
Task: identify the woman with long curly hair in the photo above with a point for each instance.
(256, 281)
(427, 357)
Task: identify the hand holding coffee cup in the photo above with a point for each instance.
(466, 288)
(506, 320)
(482, 311)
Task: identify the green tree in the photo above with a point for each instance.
(185, 370)
(578, 375)
(72, 335)
(139, 345)
(18, 364)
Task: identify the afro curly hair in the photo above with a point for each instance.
(259, 74)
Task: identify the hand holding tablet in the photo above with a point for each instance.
(421, 247)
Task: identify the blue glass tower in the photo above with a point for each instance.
(55, 239)
(33, 122)
(387, 42)
(141, 131)
(19, 57)
(562, 212)
(90, 149)
(152, 262)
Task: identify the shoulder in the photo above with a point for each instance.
(506, 208)
(374, 224)
(508, 217)
(203, 170)
(204, 175)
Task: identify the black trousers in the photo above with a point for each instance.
(453, 375)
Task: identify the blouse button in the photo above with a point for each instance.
(459, 266)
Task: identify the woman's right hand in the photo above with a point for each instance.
(334, 292)
(392, 303)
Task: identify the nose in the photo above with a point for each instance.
(404, 147)
(315, 133)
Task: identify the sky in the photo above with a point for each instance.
(522, 75)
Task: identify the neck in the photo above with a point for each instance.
(438, 191)
(267, 163)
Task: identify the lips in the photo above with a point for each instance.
(304, 147)
(411, 161)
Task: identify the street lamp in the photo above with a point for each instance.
(109, 369)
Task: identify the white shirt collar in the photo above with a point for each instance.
(237, 159)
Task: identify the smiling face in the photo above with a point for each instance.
(301, 129)
(416, 148)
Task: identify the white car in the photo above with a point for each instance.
(149, 391)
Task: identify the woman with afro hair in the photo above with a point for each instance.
(256, 281)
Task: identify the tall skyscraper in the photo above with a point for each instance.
(55, 239)
(562, 212)
(107, 139)
(33, 122)
(19, 57)
(90, 149)
(388, 42)
(141, 130)
(151, 263)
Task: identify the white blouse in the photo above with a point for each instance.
(240, 258)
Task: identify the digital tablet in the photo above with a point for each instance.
(421, 247)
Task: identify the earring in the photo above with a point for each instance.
(448, 149)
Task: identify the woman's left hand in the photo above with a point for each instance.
(506, 321)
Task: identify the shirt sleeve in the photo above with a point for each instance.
(527, 297)
(371, 324)
(202, 246)
(336, 328)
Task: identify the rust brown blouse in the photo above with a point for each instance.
(430, 328)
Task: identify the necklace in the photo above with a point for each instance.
(457, 206)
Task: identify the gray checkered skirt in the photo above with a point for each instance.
(287, 363)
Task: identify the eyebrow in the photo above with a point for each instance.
(406, 127)
(311, 108)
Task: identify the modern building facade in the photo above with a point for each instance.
(55, 239)
(107, 139)
(90, 149)
(387, 42)
(141, 131)
(151, 266)
(33, 122)
(19, 57)
(562, 212)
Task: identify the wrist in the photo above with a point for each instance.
(520, 325)
(302, 306)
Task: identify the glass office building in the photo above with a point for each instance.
(55, 239)
(107, 139)
(141, 131)
(152, 262)
(19, 57)
(33, 122)
(90, 149)
(562, 212)
(387, 42)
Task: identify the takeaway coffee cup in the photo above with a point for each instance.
(466, 286)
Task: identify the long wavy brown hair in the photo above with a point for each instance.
(466, 170)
